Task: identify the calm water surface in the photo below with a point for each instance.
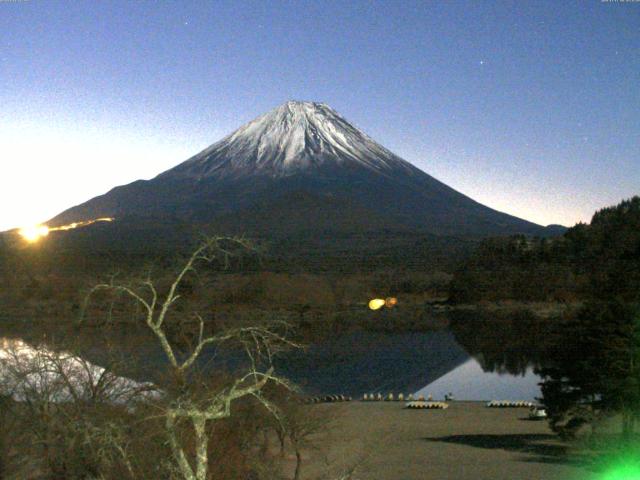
(428, 363)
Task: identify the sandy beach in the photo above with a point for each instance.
(467, 441)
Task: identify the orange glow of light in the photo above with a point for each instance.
(390, 302)
(73, 225)
(35, 232)
(376, 304)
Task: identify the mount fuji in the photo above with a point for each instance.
(301, 168)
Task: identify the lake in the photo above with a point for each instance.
(419, 363)
(472, 363)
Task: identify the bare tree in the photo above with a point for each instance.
(301, 426)
(185, 405)
(69, 414)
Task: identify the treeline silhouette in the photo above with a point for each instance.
(588, 356)
(597, 259)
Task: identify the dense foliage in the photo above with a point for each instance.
(589, 359)
(599, 260)
(592, 369)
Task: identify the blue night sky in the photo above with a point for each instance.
(532, 108)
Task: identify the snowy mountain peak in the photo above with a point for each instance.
(299, 169)
(295, 137)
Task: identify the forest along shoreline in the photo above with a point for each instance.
(582, 336)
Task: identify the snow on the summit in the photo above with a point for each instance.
(293, 137)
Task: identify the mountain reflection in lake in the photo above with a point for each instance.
(27, 372)
(371, 362)
(470, 382)
(417, 362)
(480, 358)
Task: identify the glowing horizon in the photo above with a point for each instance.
(100, 99)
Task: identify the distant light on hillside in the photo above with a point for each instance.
(376, 304)
(33, 233)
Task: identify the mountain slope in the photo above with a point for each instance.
(293, 138)
(301, 157)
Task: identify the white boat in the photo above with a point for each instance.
(537, 413)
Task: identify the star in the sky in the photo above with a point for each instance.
(481, 62)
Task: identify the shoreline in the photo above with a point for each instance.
(467, 441)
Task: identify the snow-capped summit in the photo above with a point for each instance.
(293, 137)
(300, 168)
